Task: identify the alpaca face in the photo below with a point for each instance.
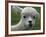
(28, 16)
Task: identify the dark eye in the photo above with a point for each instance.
(34, 17)
(24, 16)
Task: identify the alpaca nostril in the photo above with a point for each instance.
(30, 21)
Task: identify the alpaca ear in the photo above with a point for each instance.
(17, 9)
(38, 15)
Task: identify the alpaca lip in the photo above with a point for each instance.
(30, 25)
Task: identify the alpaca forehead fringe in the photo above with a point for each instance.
(28, 9)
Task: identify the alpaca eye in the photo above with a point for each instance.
(24, 16)
(34, 17)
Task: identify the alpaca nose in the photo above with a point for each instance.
(30, 22)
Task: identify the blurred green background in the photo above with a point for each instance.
(16, 15)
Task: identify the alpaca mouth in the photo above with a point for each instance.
(30, 25)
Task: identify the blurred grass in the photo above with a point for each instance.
(15, 18)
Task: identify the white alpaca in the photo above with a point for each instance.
(27, 21)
